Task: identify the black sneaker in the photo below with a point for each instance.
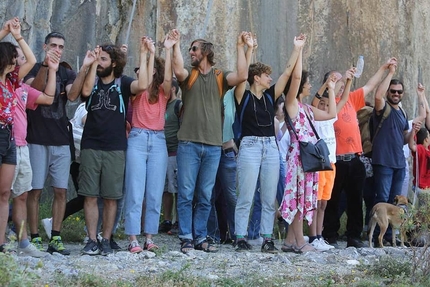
(91, 248)
(243, 245)
(105, 248)
(165, 226)
(113, 244)
(268, 246)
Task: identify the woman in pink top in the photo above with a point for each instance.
(146, 157)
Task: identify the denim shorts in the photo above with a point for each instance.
(7, 145)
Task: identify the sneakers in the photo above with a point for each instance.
(243, 246)
(56, 245)
(32, 251)
(134, 247)
(37, 242)
(113, 244)
(100, 236)
(105, 248)
(47, 225)
(321, 245)
(174, 230)
(269, 247)
(91, 248)
(165, 226)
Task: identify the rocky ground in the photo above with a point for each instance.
(294, 269)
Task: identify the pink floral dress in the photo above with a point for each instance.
(300, 193)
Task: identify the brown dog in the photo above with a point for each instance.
(385, 213)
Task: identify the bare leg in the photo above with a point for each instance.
(58, 208)
(33, 199)
(109, 213)
(19, 215)
(167, 205)
(91, 216)
(322, 204)
(7, 172)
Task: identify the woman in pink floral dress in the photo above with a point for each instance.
(300, 195)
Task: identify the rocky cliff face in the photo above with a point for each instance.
(338, 31)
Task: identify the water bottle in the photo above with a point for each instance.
(359, 67)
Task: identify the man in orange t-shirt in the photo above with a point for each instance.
(350, 171)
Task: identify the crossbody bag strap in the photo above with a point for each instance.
(417, 175)
(312, 125)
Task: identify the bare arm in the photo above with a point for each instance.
(383, 88)
(291, 102)
(167, 83)
(349, 75)
(74, 90)
(48, 95)
(320, 92)
(241, 75)
(411, 142)
(150, 66)
(422, 107)
(376, 78)
(299, 42)
(141, 84)
(178, 61)
(240, 88)
(321, 115)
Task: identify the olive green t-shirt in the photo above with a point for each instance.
(202, 112)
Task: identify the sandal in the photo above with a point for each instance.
(4, 248)
(307, 247)
(287, 247)
(186, 246)
(134, 247)
(150, 246)
(206, 247)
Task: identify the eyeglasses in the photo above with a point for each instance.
(136, 70)
(396, 91)
(193, 48)
(265, 109)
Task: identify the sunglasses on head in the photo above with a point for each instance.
(396, 91)
(193, 48)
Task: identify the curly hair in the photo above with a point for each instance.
(207, 50)
(157, 80)
(257, 69)
(117, 56)
(303, 80)
(8, 55)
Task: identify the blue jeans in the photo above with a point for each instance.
(146, 166)
(258, 159)
(197, 169)
(388, 183)
(224, 198)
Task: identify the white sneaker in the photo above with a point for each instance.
(320, 245)
(47, 225)
(306, 238)
(256, 242)
(32, 251)
(100, 236)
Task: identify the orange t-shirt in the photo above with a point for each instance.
(149, 116)
(348, 138)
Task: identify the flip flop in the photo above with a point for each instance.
(287, 247)
(302, 249)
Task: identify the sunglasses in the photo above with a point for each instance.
(193, 48)
(396, 91)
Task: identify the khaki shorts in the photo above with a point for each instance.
(101, 173)
(23, 172)
(326, 182)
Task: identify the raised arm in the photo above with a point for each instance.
(291, 102)
(178, 61)
(150, 46)
(48, 95)
(422, 106)
(321, 115)
(249, 40)
(167, 83)
(383, 87)
(299, 42)
(349, 75)
(74, 90)
(376, 78)
(241, 74)
(91, 74)
(411, 141)
(141, 84)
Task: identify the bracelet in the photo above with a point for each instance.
(19, 39)
(318, 96)
(48, 95)
(43, 65)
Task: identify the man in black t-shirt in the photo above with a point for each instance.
(48, 141)
(104, 139)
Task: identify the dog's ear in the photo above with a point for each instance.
(396, 199)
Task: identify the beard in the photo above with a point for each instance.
(390, 100)
(196, 62)
(105, 72)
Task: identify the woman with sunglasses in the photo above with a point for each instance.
(258, 157)
(146, 158)
(10, 79)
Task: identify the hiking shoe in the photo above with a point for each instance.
(32, 251)
(56, 245)
(91, 248)
(37, 242)
(242, 246)
(165, 226)
(105, 248)
(47, 225)
(134, 247)
(174, 230)
(113, 244)
(269, 247)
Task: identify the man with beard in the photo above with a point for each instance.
(48, 142)
(387, 152)
(200, 135)
(104, 138)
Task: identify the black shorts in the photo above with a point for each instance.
(7, 145)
